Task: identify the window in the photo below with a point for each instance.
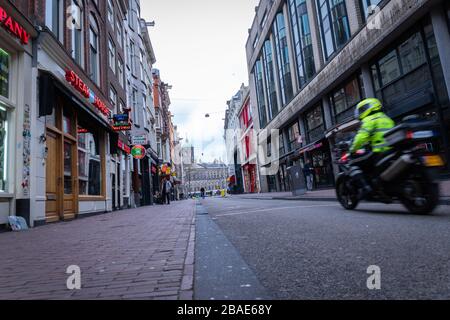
(89, 163)
(111, 13)
(119, 34)
(112, 55)
(260, 93)
(344, 100)
(77, 33)
(282, 53)
(132, 56)
(334, 25)
(120, 72)
(294, 137)
(412, 53)
(113, 99)
(281, 146)
(54, 16)
(270, 79)
(94, 52)
(3, 149)
(264, 20)
(302, 41)
(135, 106)
(367, 7)
(141, 65)
(314, 123)
(5, 61)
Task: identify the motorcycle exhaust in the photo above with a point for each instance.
(397, 168)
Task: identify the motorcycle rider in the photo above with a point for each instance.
(374, 124)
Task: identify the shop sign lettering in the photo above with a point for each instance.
(13, 26)
(82, 88)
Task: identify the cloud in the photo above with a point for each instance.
(200, 51)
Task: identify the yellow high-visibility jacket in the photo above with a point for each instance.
(372, 132)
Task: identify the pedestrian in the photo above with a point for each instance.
(202, 190)
(307, 172)
(166, 190)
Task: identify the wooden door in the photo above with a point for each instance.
(53, 178)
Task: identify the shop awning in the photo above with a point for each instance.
(342, 127)
(49, 85)
(311, 146)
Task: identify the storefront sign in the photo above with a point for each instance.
(82, 88)
(138, 152)
(13, 26)
(121, 122)
(122, 146)
(139, 140)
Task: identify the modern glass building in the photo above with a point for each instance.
(312, 61)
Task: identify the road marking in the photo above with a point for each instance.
(272, 209)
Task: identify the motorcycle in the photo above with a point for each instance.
(406, 174)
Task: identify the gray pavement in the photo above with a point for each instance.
(314, 250)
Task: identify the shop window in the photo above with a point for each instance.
(344, 100)
(314, 124)
(294, 137)
(89, 163)
(5, 61)
(3, 149)
(282, 149)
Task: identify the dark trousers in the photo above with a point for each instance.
(166, 197)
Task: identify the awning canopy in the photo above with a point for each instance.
(49, 86)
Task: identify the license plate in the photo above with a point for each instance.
(433, 161)
(423, 134)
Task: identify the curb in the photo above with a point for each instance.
(187, 282)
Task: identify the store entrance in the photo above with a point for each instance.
(61, 166)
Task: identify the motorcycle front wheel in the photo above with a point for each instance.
(420, 194)
(347, 196)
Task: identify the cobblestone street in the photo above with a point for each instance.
(144, 253)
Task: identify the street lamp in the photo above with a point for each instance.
(150, 24)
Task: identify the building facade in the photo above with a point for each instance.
(311, 61)
(75, 94)
(247, 141)
(17, 109)
(232, 136)
(210, 176)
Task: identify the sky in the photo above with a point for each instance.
(200, 51)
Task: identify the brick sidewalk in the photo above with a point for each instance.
(144, 253)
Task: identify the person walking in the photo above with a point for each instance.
(308, 173)
(166, 190)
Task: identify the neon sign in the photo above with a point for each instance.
(82, 88)
(14, 27)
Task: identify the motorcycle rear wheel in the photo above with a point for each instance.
(423, 194)
(347, 197)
